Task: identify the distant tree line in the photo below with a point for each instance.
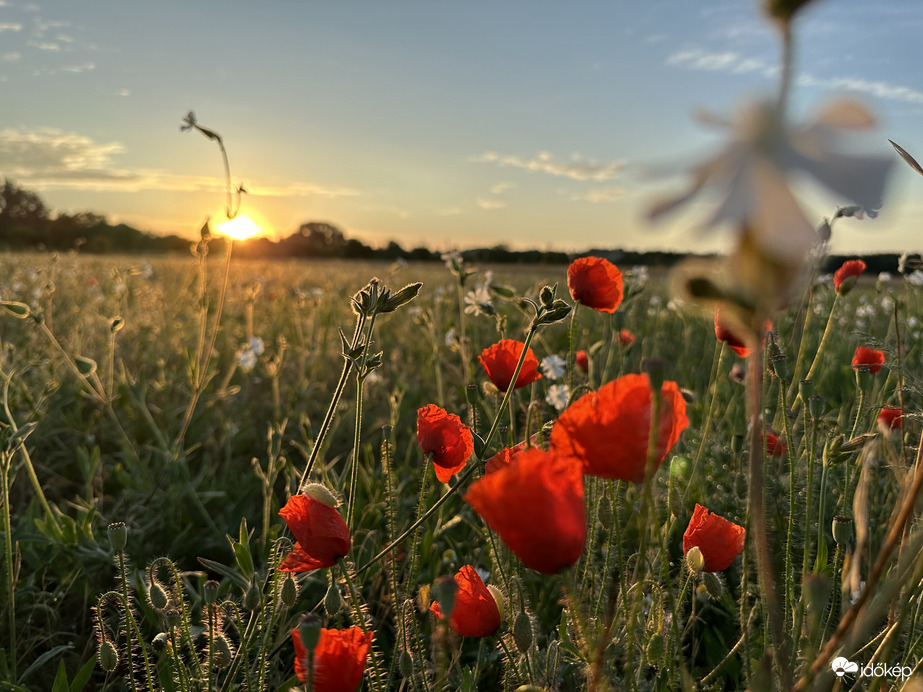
(27, 223)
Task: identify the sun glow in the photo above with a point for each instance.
(240, 228)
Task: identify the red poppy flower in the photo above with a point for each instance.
(847, 275)
(595, 282)
(502, 459)
(870, 359)
(339, 659)
(775, 445)
(890, 418)
(626, 338)
(445, 437)
(536, 506)
(583, 361)
(320, 533)
(724, 333)
(719, 540)
(608, 430)
(500, 361)
(475, 613)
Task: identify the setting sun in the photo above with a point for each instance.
(240, 228)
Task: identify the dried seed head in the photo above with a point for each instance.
(118, 536)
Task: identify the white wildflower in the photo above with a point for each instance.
(884, 277)
(477, 302)
(916, 277)
(256, 345)
(246, 358)
(553, 366)
(557, 396)
(450, 338)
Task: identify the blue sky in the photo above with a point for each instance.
(452, 124)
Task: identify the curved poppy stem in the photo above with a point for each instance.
(467, 473)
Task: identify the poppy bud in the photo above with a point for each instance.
(713, 585)
(499, 599)
(223, 652)
(289, 591)
(158, 596)
(108, 656)
(805, 389)
(332, 601)
(522, 631)
(252, 596)
(405, 663)
(695, 561)
(655, 647)
(118, 536)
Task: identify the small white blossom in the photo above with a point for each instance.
(246, 358)
(557, 396)
(450, 338)
(884, 277)
(915, 277)
(256, 345)
(553, 367)
(477, 302)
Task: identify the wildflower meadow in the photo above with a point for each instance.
(225, 474)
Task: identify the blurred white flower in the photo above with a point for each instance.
(915, 277)
(246, 358)
(751, 172)
(450, 338)
(557, 396)
(554, 367)
(477, 302)
(884, 277)
(256, 345)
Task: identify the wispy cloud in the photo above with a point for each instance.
(45, 45)
(10, 26)
(598, 195)
(737, 63)
(489, 204)
(501, 187)
(726, 61)
(543, 162)
(12, 57)
(49, 158)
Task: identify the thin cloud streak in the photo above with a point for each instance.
(544, 162)
(736, 63)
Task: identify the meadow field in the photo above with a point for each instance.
(156, 419)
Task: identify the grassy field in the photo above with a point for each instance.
(127, 400)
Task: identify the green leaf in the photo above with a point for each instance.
(226, 571)
(43, 660)
(60, 680)
(83, 675)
